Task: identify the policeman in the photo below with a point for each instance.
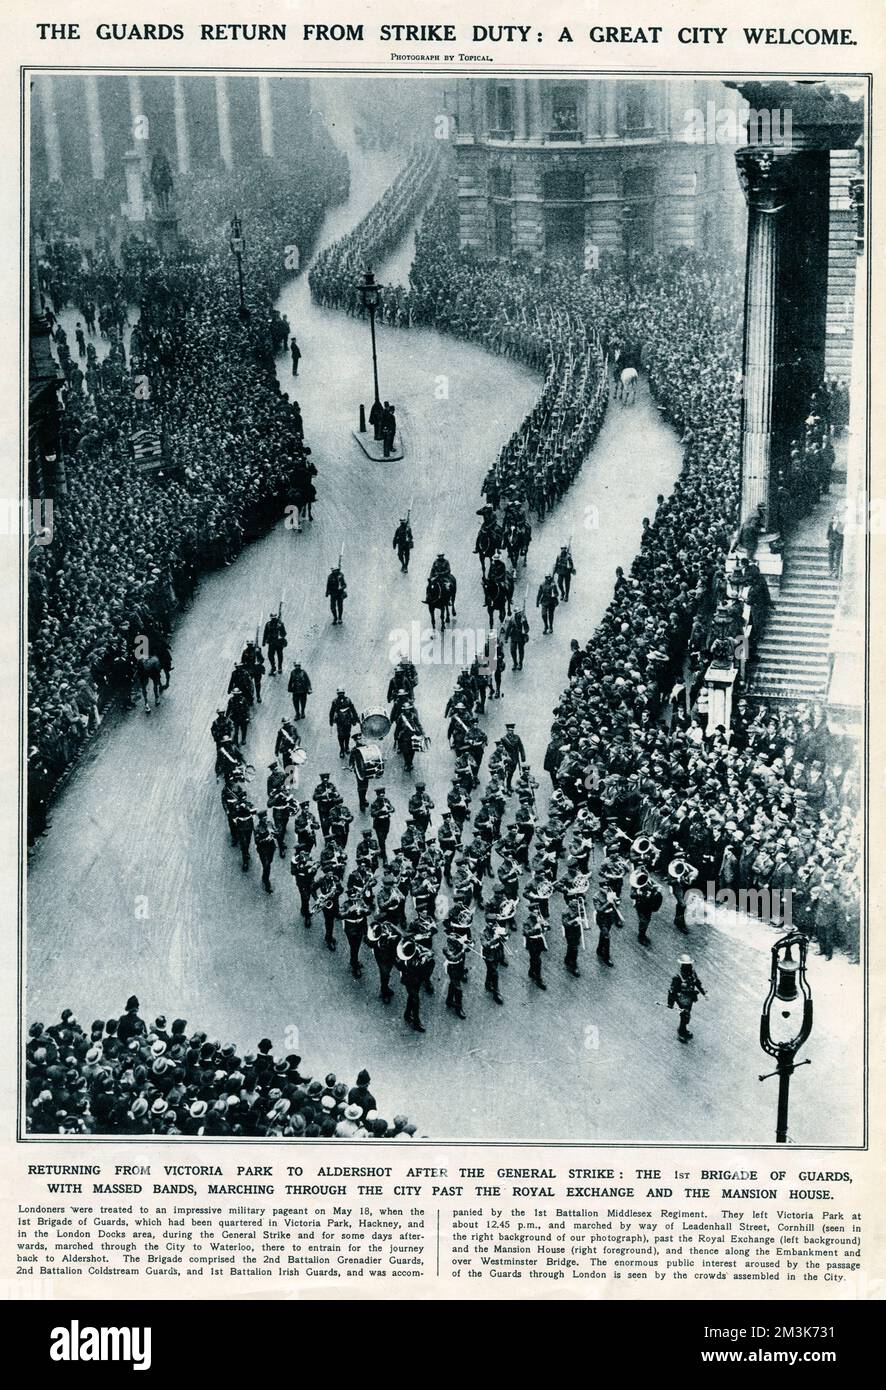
(403, 543)
(380, 813)
(336, 592)
(266, 847)
(355, 917)
(343, 714)
(647, 899)
(454, 956)
(299, 688)
(684, 991)
(304, 870)
(274, 638)
(534, 940)
(564, 569)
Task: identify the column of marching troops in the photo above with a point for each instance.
(520, 856)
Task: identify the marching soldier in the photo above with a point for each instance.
(449, 840)
(299, 688)
(229, 760)
(383, 938)
(493, 950)
(459, 804)
(274, 638)
(547, 600)
(403, 543)
(221, 729)
(230, 800)
(454, 956)
(304, 870)
(266, 847)
(357, 764)
(305, 826)
(573, 932)
(647, 900)
(564, 569)
(367, 853)
(252, 661)
(534, 941)
(244, 820)
(681, 875)
(340, 819)
(538, 894)
(326, 893)
(238, 713)
(325, 797)
(684, 991)
(355, 918)
(281, 807)
(606, 915)
(441, 568)
(343, 714)
(336, 592)
(288, 739)
(412, 964)
(516, 634)
(500, 666)
(420, 807)
(512, 745)
(380, 813)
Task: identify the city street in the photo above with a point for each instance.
(137, 887)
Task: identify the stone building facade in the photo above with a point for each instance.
(591, 168)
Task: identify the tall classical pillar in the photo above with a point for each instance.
(94, 123)
(51, 141)
(266, 117)
(536, 110)
(520, 109)
(610, 108)
(592, 110)
(766, 178)
(223, 113)
(182, 144)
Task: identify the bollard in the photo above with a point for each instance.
(362, 419)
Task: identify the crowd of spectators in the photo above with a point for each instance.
(159, 348)
(127, 1075)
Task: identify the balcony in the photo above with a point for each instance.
(563, 137)
(501, 135)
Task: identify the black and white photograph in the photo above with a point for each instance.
(444, 676)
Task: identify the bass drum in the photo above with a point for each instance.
(370, 761)
(375, 723)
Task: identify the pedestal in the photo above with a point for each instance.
(374, 448)
(720, 683)
(164, 226)
(134, 207)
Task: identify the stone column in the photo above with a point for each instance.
(51, 140)
(94, 122)
(266, 117)
(536, 110)
(520, 109)
(134, 207)
(223, 113)
(610, 109)
(766, 177)
(182, 144)
(592, 110)
(138, 119)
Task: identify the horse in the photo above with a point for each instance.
(518, 539)
(148, 668)
(497, 594)
(626, 390)
(487, 543)
(440, 597)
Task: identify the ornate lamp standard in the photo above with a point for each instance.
(238, 246)
(786, 1020)
(370, 295)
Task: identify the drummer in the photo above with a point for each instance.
(358, 765)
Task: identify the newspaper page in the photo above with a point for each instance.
(441, 546)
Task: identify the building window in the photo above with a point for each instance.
(502, 230)
(563, 185)
(504, 109)
(500, 182)
(639, 183)
(564, 110)
(635, 107)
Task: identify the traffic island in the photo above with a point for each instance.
(374, 448)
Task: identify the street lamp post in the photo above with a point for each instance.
(786, 1020)
(370, 294)
(238, 246)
